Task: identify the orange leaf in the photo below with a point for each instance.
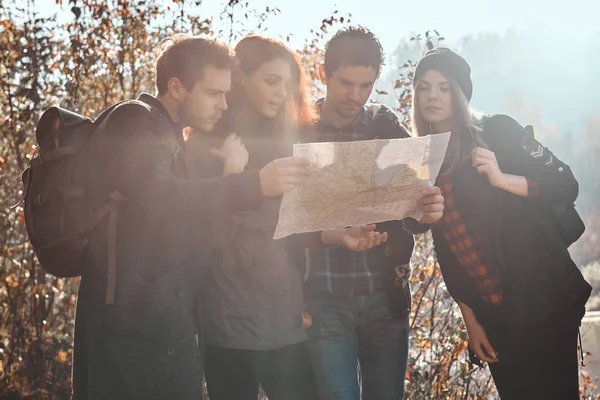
(62, 356)
(11, 280)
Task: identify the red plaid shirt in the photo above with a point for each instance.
(467, 247)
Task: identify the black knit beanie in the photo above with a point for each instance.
(450, 64)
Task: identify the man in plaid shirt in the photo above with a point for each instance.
(360, 300)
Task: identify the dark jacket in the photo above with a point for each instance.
(538, 277)
(252, 297)
(143, 345)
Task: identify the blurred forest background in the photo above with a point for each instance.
(87, 54)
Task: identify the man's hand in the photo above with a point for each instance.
(362, 237)
(432, 205)
(233, 155)
(485, 162)
(282, 175)
(355, 238)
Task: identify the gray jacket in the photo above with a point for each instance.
(252, 297)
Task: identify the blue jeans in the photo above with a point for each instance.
(351, 331)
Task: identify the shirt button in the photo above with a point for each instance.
(560, 169)
(170, 350)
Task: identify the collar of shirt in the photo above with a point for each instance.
(154, 102)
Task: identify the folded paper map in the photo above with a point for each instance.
(361, 182)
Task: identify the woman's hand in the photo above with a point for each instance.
(485, 162)
(233, 155)
(479, 343)
(432, 205)
(478, 340)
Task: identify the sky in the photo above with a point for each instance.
(392, 20)
(561, 50)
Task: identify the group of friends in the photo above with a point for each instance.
(202, 290)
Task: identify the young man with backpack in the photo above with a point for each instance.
(148, 240)
(360, 301)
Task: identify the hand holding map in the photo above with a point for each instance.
(361, 182)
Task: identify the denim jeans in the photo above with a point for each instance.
(347, 332)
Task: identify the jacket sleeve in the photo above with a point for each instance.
(413, 226)
(146, 157)
(297, 253)
(311, 240)
(519, 153)
(386, 123)
(459, 284)
(400, 244)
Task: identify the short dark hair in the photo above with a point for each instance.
(184, 57)
(353, 46)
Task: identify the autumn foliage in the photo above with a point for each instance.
(103, 54)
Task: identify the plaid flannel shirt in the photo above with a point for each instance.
(335, 269)
(467, 247)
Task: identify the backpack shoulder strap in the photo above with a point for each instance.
(102, 119)
(111, 208)
(502, 133)
(107, 112)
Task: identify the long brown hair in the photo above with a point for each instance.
(253, 51)
(464, 118)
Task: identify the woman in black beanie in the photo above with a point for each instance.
(502, 242)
